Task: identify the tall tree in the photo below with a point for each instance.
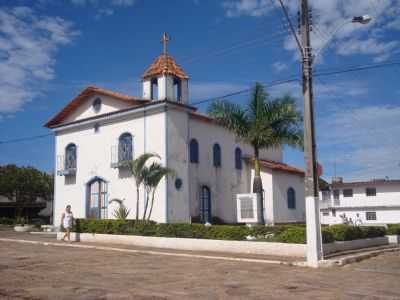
(25, 185)
(262, 123)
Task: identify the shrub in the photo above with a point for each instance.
(393, 229)
(373, 231)
(280, 233)
(347, 233)
(296, 235)
(7, 221)
(327, 236)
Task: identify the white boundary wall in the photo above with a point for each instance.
(355, 244)
(244, 247)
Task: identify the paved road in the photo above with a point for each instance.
(48, 272)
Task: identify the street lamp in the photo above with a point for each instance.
(365, 19)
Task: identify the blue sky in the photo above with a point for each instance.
(50, 50)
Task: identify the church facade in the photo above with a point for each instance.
(100, 129)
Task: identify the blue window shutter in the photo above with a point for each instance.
(217, 155)
(238, 158)
(291, 198)
(194, 151)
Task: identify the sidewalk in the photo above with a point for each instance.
(50, 240)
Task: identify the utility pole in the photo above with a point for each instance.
(314, 245)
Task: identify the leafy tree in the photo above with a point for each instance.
(25, 185)
(263, 123)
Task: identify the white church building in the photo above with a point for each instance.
(100, 129)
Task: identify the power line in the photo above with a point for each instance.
(295, 78)
(218, 52)
(29, 138)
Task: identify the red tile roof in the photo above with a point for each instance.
(273, 165)
(87, 92)
(163, 66)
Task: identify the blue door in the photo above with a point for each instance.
(97, 201)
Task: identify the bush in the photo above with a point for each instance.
(295, 235)
(7, 221)
(393, 229)
(280, 233)
(347, 233)
(327, 236)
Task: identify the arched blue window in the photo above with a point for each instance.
(70, 157)
(217, 155)
(291, 198)
(238, 159)
(125, 148)
(194, 151)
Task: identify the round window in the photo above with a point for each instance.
(96, 104)
(178, 183)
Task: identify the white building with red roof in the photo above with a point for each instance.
(100, 129)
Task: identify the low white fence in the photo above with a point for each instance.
(355, 244)
(246, 247)
(243, 247)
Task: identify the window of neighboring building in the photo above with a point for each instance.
(217, 155)
(238, 158)
(325, 214)
(291, 198)
(333, 212)
(125, 149)
(370, 192)
(326, 195)
(194, 151)
(348, 193)
(370, 215)
(336, 194)
(70, 157)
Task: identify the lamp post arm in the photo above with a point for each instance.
(327, 42)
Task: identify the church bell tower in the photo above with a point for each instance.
(165, 79)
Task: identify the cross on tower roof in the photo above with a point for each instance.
(164, 41)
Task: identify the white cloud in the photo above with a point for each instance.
(103, 8)
(340, 90)
(333, 17)
(279, 66)
(253, 8)
(28, 43)
(367, 141)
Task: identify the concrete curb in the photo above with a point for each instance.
(150, 252)
(355, 257)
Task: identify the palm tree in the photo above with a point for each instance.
(156, 172)
(137, 168)
(263, 123)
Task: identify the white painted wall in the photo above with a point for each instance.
(383, 215)
(386, 204)
(94, 159)
(85, 110)
(178, 160)
(282, 181)
(225, 182)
